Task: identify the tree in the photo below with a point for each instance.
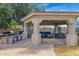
(37, 7)
(6, 14)
(15, 12)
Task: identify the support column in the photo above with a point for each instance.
(36, 36)
(72, 35)
(56, 28)
(25, 32)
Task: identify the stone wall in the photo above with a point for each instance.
(3, 40)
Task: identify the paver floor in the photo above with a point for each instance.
(24, 48)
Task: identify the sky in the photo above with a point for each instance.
(62, 7)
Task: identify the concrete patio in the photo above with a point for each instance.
(24, 48)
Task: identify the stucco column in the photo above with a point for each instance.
(36, 36)
(56, 28)
(72, 35)
(25, 32)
